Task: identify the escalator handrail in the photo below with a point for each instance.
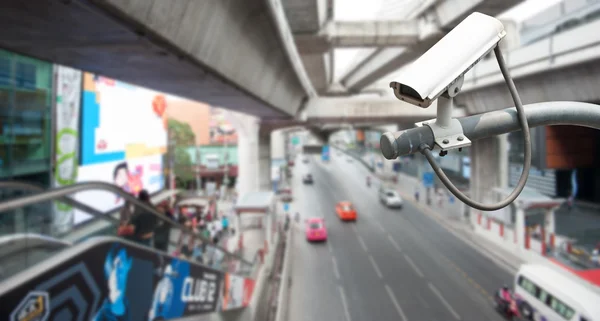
(66, 199)
(61, 192)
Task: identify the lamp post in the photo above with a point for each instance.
(198, 166)
(171, 151)
(226, 168)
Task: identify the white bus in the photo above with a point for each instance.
(551, 294)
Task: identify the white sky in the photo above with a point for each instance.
(354, 10)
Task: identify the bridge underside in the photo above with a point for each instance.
(180, 47)
(554, 85)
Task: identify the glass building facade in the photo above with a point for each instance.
(25, 137)
(25, 118)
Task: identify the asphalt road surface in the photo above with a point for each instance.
(392, 264)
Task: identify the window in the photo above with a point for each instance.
(25, 115)
(390, 194)
(546, 298)
(315, 226)
(346, 208)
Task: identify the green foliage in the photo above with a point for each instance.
(181, 133)
(182, 137)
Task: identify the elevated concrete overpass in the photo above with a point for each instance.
(213, 51)
(434, 23)
(563, 66)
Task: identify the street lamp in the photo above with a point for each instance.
(198, 167)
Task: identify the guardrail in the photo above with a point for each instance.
(285, 280)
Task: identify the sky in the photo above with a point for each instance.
(356, 10)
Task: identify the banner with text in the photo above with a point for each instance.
(115, 281)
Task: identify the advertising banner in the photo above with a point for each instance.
(131, 175)
(115, 281)
(66, 136)
(221, 130)
(237, 292)
(325, 153)
(123, 137)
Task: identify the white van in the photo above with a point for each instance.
(553, 294)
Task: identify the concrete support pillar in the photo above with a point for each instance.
(503, 160)
(520, 228)
(264, 162)
(486, 172)
(247, 127)
(550, 221)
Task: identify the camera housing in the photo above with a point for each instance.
(430, 76)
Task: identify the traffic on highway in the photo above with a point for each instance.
(394, 261)
(388, 263)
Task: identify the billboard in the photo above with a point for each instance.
(66, 137)
(221, 130)
(123, 138)
(115, 281)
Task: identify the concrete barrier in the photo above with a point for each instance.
(285, 280)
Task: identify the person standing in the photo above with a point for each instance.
(163, 229)
(144, 221)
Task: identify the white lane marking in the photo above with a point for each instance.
(355, 229)
(380, 226)
(335, 268)
(362, 243)
(344, 303)
(394, 243)
(395, 301)
(377, 270)
(414, 266)
(329, 247)
(448, 306)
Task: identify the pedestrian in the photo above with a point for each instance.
(225, 223)
(143, 221)
(163, 229)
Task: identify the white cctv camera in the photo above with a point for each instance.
(444, 64)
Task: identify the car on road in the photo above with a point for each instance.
(346, 211)
(390, 198)
(307, 179)
(349, 159)
(305, 160)
(315, 229)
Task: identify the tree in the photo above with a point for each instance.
(181, 133)
(181, 137)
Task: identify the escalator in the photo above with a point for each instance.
(86, 272)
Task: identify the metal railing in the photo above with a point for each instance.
(61, 194)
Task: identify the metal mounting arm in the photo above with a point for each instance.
(406, 142)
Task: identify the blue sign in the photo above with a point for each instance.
(428, 179)
(286, 207)
(325, 153)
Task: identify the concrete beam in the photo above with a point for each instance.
(356, 110)
(305, 16)
(317, 69)
(353, 34)
(574, 83)
(224, 36)
(433, 25)
(213, 51)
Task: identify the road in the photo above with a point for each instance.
(389, 265)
